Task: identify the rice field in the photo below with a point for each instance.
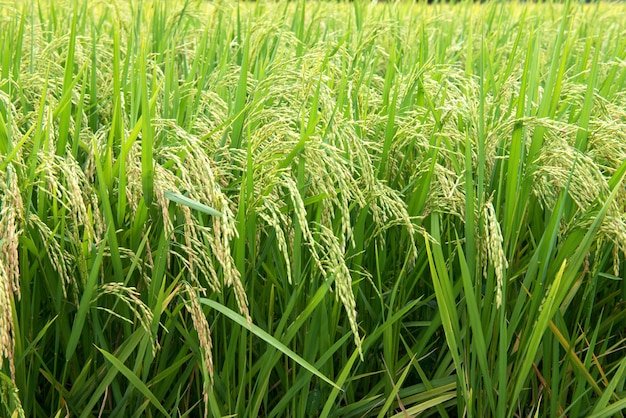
(312, 209)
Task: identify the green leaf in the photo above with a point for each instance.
(136, 382)
(85, 303)
(267, 338)
(190, 203)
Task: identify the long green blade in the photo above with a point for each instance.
(267, 338)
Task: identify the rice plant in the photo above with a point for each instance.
(294, 209)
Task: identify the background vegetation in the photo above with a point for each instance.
(312, 209)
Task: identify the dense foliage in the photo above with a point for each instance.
(312, 209)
